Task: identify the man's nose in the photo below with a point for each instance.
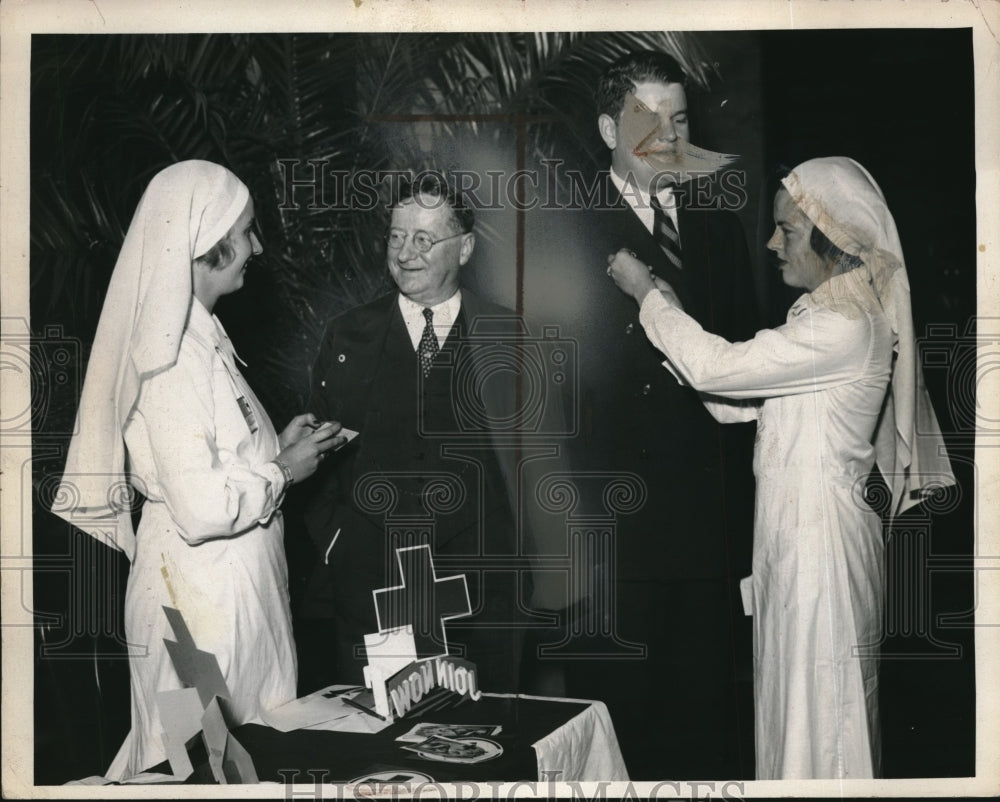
(408, 251)
(668, 131)
(255, 245)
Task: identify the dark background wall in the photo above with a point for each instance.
(900, 102)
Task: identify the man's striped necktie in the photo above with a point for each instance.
(665, 233)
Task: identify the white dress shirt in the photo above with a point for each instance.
(638, 200)
(445, 314)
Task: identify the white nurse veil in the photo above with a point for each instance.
(843, 200)
(186, 209)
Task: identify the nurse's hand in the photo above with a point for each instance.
(632, 276)
(304, 455)
(297, 428)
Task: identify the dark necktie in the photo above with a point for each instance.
(428, 347)
(665, 233)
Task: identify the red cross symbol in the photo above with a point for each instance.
(422, 601)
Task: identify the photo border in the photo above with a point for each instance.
(20, 19)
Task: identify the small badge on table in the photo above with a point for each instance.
(391, 777)
(456, 750)
(427, 729)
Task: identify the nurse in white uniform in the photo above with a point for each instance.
(834, 390)
(165, 410)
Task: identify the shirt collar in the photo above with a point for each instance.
(638, 201)
(207, 327)
(204, 323)
(445, 314)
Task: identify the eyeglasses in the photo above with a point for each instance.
(422, 240)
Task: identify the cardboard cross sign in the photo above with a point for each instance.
(422, 601)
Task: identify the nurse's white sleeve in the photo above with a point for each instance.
(210, 492)
(727, 410)
(815, 349)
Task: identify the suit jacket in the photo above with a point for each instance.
(343, 388)
(634, 417)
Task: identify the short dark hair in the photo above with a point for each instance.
(630, 70)
(826, 250)
(219, 255)
(436, 185)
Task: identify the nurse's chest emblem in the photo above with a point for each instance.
(248, 415)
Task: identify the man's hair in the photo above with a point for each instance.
(436, 186)
(631, 69)
(829, 252)
(219, 255)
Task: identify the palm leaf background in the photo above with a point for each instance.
(108, 112)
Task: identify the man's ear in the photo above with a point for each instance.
(609, 130)
(468, 246)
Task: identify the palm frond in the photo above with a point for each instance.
(110, 111)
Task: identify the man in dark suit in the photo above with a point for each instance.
(431, 378)
(671, 583)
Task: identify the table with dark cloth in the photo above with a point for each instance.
(538, 734)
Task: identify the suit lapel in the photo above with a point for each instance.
(697, 278)
(373, 339)
(636, 237)
(498, 397)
